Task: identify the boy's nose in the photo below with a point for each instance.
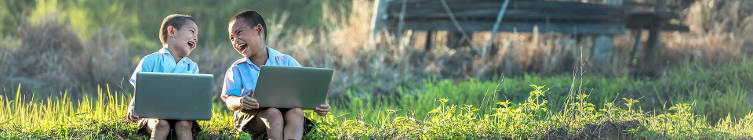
(236, 41)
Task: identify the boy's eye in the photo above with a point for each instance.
(232, 36)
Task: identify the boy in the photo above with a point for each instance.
(179, 36)
(248, 33)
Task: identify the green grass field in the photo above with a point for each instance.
(685, 103)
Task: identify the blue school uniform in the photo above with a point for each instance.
(163, 61)
(240, 78)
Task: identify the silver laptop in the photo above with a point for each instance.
(173, 96)
(292, 87)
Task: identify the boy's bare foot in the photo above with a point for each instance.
(322, 109)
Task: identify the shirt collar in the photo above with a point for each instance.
(272, 55)
(164, 51)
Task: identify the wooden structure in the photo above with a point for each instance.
(603, 20)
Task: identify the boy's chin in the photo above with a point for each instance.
(244, 55)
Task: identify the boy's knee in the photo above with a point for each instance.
(273, 116)
(183, 125)
(272, 113)
(162, 125)
(295, 112)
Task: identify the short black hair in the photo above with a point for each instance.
(252, 18)
(175, 20)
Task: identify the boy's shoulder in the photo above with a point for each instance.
(156, 56)
(279, 56)
(152, 56)
(240, 60)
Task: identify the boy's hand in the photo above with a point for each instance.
(322, 109)
(132, 116)
(249, 103)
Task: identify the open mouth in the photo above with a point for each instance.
(242, 48)
(191, 44)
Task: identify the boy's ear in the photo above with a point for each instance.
(260, 30)
(170, 31)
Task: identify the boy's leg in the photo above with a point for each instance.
(272, 122)
(294, 124)
(160, 129)
(183, 130)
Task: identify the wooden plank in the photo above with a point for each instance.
(521, 16)
(646, 19)
(666, 27)
(514, 4)
(567, 28)
(513, 15)
(524, 8)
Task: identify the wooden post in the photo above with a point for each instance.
(636, 45)
(429, 40)
(653, 45)
(456, 40)
(379, 18)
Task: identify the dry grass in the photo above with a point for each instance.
(49, 55)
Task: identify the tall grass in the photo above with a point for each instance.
(525, 107)
(61, 117)
(100, 115)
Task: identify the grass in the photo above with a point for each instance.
(701, 103)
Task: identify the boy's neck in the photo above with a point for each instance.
(260, 60)
(172, 53)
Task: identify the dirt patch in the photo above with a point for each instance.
(603, 130)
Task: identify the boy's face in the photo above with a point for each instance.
(247, 40)
(184, 40)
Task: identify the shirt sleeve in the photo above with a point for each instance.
(232, 83)
(292, 62)
(145, 65)
(195, 68)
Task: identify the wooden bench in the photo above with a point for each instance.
(460, 17)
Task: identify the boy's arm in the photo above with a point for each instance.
(236, 103)
(130, 115)
(233, 102)
(145, 65)
(130, 105)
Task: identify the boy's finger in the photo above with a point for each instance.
(248, 104)
(248, 98)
